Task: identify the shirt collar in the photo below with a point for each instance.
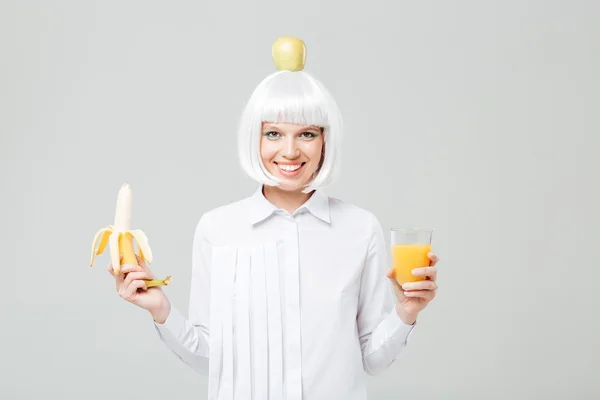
(261, 208)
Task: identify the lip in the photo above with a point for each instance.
(290, 173)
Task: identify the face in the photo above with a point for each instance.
(291, 152)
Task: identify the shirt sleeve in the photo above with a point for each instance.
(188, 338)
(382, 334)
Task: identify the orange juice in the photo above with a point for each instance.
(406, 257)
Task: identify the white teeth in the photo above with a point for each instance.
(289, 168)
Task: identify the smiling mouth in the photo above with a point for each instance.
(290, 169)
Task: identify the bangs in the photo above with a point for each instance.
(295, 98)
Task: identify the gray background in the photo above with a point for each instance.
(477, 118)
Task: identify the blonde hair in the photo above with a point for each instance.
(292, 97)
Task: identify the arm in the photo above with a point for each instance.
(382, 334)
(188, 338)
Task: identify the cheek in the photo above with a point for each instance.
(314, 151)
(267, 150)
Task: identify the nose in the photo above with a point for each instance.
(291, 150)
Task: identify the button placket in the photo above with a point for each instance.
(292, 287)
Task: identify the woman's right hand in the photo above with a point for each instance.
(131, 286)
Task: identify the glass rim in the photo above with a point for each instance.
(425, 230)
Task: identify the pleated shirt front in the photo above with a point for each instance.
(288, 306)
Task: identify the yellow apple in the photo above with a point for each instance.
(289, 53)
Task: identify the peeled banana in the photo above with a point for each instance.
(120, 237)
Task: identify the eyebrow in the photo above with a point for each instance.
(310, 127)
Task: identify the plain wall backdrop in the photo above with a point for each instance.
(476, 118)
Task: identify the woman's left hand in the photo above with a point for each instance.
(413, 297)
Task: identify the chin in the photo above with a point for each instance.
(292, 186)
(287, 187)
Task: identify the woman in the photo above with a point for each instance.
(289, 294)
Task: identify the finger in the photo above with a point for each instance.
(144, 266)
(390, 273)
(133, 276)
(421, 285)
(142, 263)
(424, 294)
(392, 277)
(110, 266)
(127, 268)
(130, 292)
(434, 258)
(118, 277)
(429, 272)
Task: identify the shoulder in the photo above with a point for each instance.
(223, 218)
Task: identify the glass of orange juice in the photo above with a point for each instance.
(410, 247)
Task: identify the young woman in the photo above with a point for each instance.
(290, 298)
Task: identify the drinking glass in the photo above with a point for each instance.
(410, 247)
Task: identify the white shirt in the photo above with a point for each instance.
(288, 306)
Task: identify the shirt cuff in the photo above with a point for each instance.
(397, 328)
(173, 327)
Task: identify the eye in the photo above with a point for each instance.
(272, 135)
(308, 135)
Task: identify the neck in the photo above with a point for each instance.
(289, 200)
